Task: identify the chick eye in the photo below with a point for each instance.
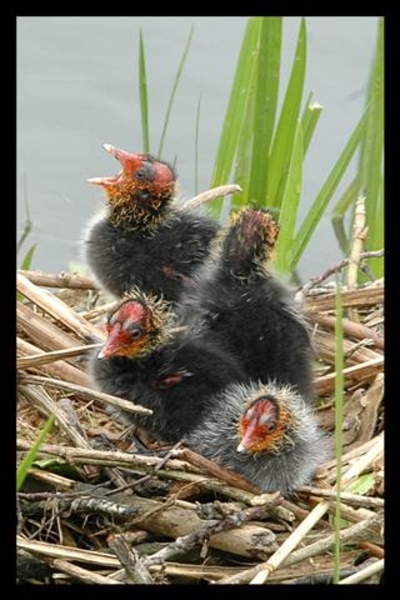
(271, 427)
(168, 381)
(141, 174)
(135, 332)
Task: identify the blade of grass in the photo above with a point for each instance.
(144, 106)
(265, 102)
(236, 110)
(26, 265)
(24, 467)
(28, 222)
(243, 154)
(320, 203)
(371, 155)
(339, 384)
(196, 148)
(27, 261)
(173, 91)
(285, 131)
(309, 120)
(290, 203)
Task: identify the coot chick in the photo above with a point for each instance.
(173, 374)
(143, 238)
(236, 297)
(266, 432)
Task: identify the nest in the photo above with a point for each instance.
(93, 509)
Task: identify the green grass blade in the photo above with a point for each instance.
(309, 120)
(290, 203)
(338, 423)
(236, 110)
(28, 221)
(27, 260)
(285, 131)
(348, 198)
(243, 153)
(196, 148)
(324, 196)
(26, 265)
(31, 455)
(371, 156)
(266, 97)
(173, 92)
(144, 106)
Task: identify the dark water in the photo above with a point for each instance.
(78, 88)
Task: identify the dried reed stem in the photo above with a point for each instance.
(358, 237)
(373, 569)
(217, 192)
(373, 294)
(57, 309)
(260, 574)
(86, 393)
(60, 369)
(350, 328)
(326, 384)
(47, 357)
(82, 574)
(59, 280)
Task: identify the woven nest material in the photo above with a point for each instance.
(95, 509)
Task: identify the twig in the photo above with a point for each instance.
(75, 505)
(371, 295)
(373, 549)
(261, 573)
(215, 470)
(42, 331)
(103, 457)
(351, 454)
(325, 384)
(86, 393)
(355, 499)
(222, 190)
(92, 557)
(57, 309)
(324, 344)
(358, 237)
(373, 569)
(135, 570)
(59, 369)
(82, 574)
(43, 358)
(186, 543)
(142, 480)
(350, 328)
(304, 289)
(59, 280)
(45, 404)
(89, 315)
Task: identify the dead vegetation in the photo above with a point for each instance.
(96, 509)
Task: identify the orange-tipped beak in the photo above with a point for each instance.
(105, 181)
(112, 346)
(248, 438)
(129, 161)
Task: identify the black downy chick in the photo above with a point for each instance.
(143, 238)
(236, 298)
(265, 432)
(173, 374)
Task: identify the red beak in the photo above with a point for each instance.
(129, 161)
(113, 343)
(248, 438)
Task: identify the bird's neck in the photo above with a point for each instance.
(134, 215)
